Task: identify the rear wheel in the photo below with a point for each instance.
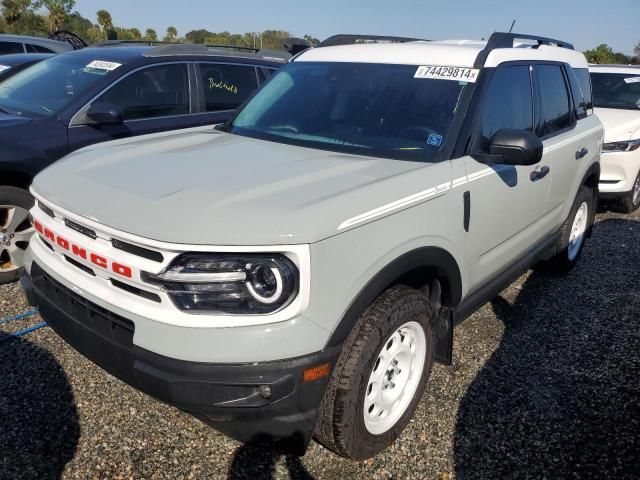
(380, 376)
(631, 201)
(574, 233)
(15, 231)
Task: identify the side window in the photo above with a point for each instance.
(554, 112)
(584, 79)
(10, 47)
(509, 102)
(37, 49)
(159, 91)
(226, 86)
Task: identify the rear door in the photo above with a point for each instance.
(152, 99)
(223, 87)
(507, 203)
(568, 141)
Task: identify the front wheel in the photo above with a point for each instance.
(574, 232)
(631, 201)
(15, 231)
(380, 376)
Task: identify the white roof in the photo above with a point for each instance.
(632, 69)
(460, 53)
(408, 53)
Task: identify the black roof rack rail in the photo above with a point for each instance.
(149, 43)
(353, 39)
(505, 40)
(232, 47)
(220, 50)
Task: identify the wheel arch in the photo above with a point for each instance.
(15, 178)
(592, 176)
(415, 269)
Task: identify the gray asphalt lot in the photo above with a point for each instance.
(545, 384)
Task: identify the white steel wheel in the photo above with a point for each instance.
(578, 230)
(394, 378)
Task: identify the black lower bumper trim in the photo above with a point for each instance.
(233, 398)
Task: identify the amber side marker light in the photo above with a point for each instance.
(314, 373)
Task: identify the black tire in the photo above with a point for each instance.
(564, 260)
(341, 425)
(20, 198)
(627, 204)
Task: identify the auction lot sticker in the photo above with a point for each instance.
(626, 80)
(102, 65)
(460, 74)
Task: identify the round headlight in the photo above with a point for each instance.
(237, 284)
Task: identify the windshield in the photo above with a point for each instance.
(47, 87)
(367, 109)
(616, 90)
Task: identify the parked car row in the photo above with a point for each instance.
(295, 271)
(115, 91)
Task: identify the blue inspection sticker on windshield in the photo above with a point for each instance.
(434, 139)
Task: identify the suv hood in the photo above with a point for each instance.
(213, 188)
(619, 124)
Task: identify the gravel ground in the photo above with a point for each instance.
(544, 384)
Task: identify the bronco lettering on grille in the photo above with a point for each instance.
(81, 252)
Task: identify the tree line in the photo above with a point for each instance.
(43, 17)
(604, 54)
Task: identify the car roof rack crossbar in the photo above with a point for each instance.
(506, 40)
(354, 39)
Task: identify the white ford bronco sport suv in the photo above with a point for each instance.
(296, 272)
(616, 97)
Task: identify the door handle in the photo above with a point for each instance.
(581, 153)
(537, 174)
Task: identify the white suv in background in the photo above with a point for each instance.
(616, 97)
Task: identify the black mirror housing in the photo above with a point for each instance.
(105, 114)
(515, 147)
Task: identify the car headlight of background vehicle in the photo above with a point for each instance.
(628, 146)
(236, 284)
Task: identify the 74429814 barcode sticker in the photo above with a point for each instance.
(460, 74)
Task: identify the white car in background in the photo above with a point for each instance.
(616, 98)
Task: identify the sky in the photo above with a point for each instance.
(585, 23)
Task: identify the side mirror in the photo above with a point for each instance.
(105, 114)
(515, 147)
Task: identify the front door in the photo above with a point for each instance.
(152, 99)
(507, 203)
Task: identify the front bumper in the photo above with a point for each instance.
(619, 172)
(230, 397)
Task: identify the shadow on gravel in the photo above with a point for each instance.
(39, 428)
(257, 461)
(560, 398)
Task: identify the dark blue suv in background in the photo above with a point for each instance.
(104, 93)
